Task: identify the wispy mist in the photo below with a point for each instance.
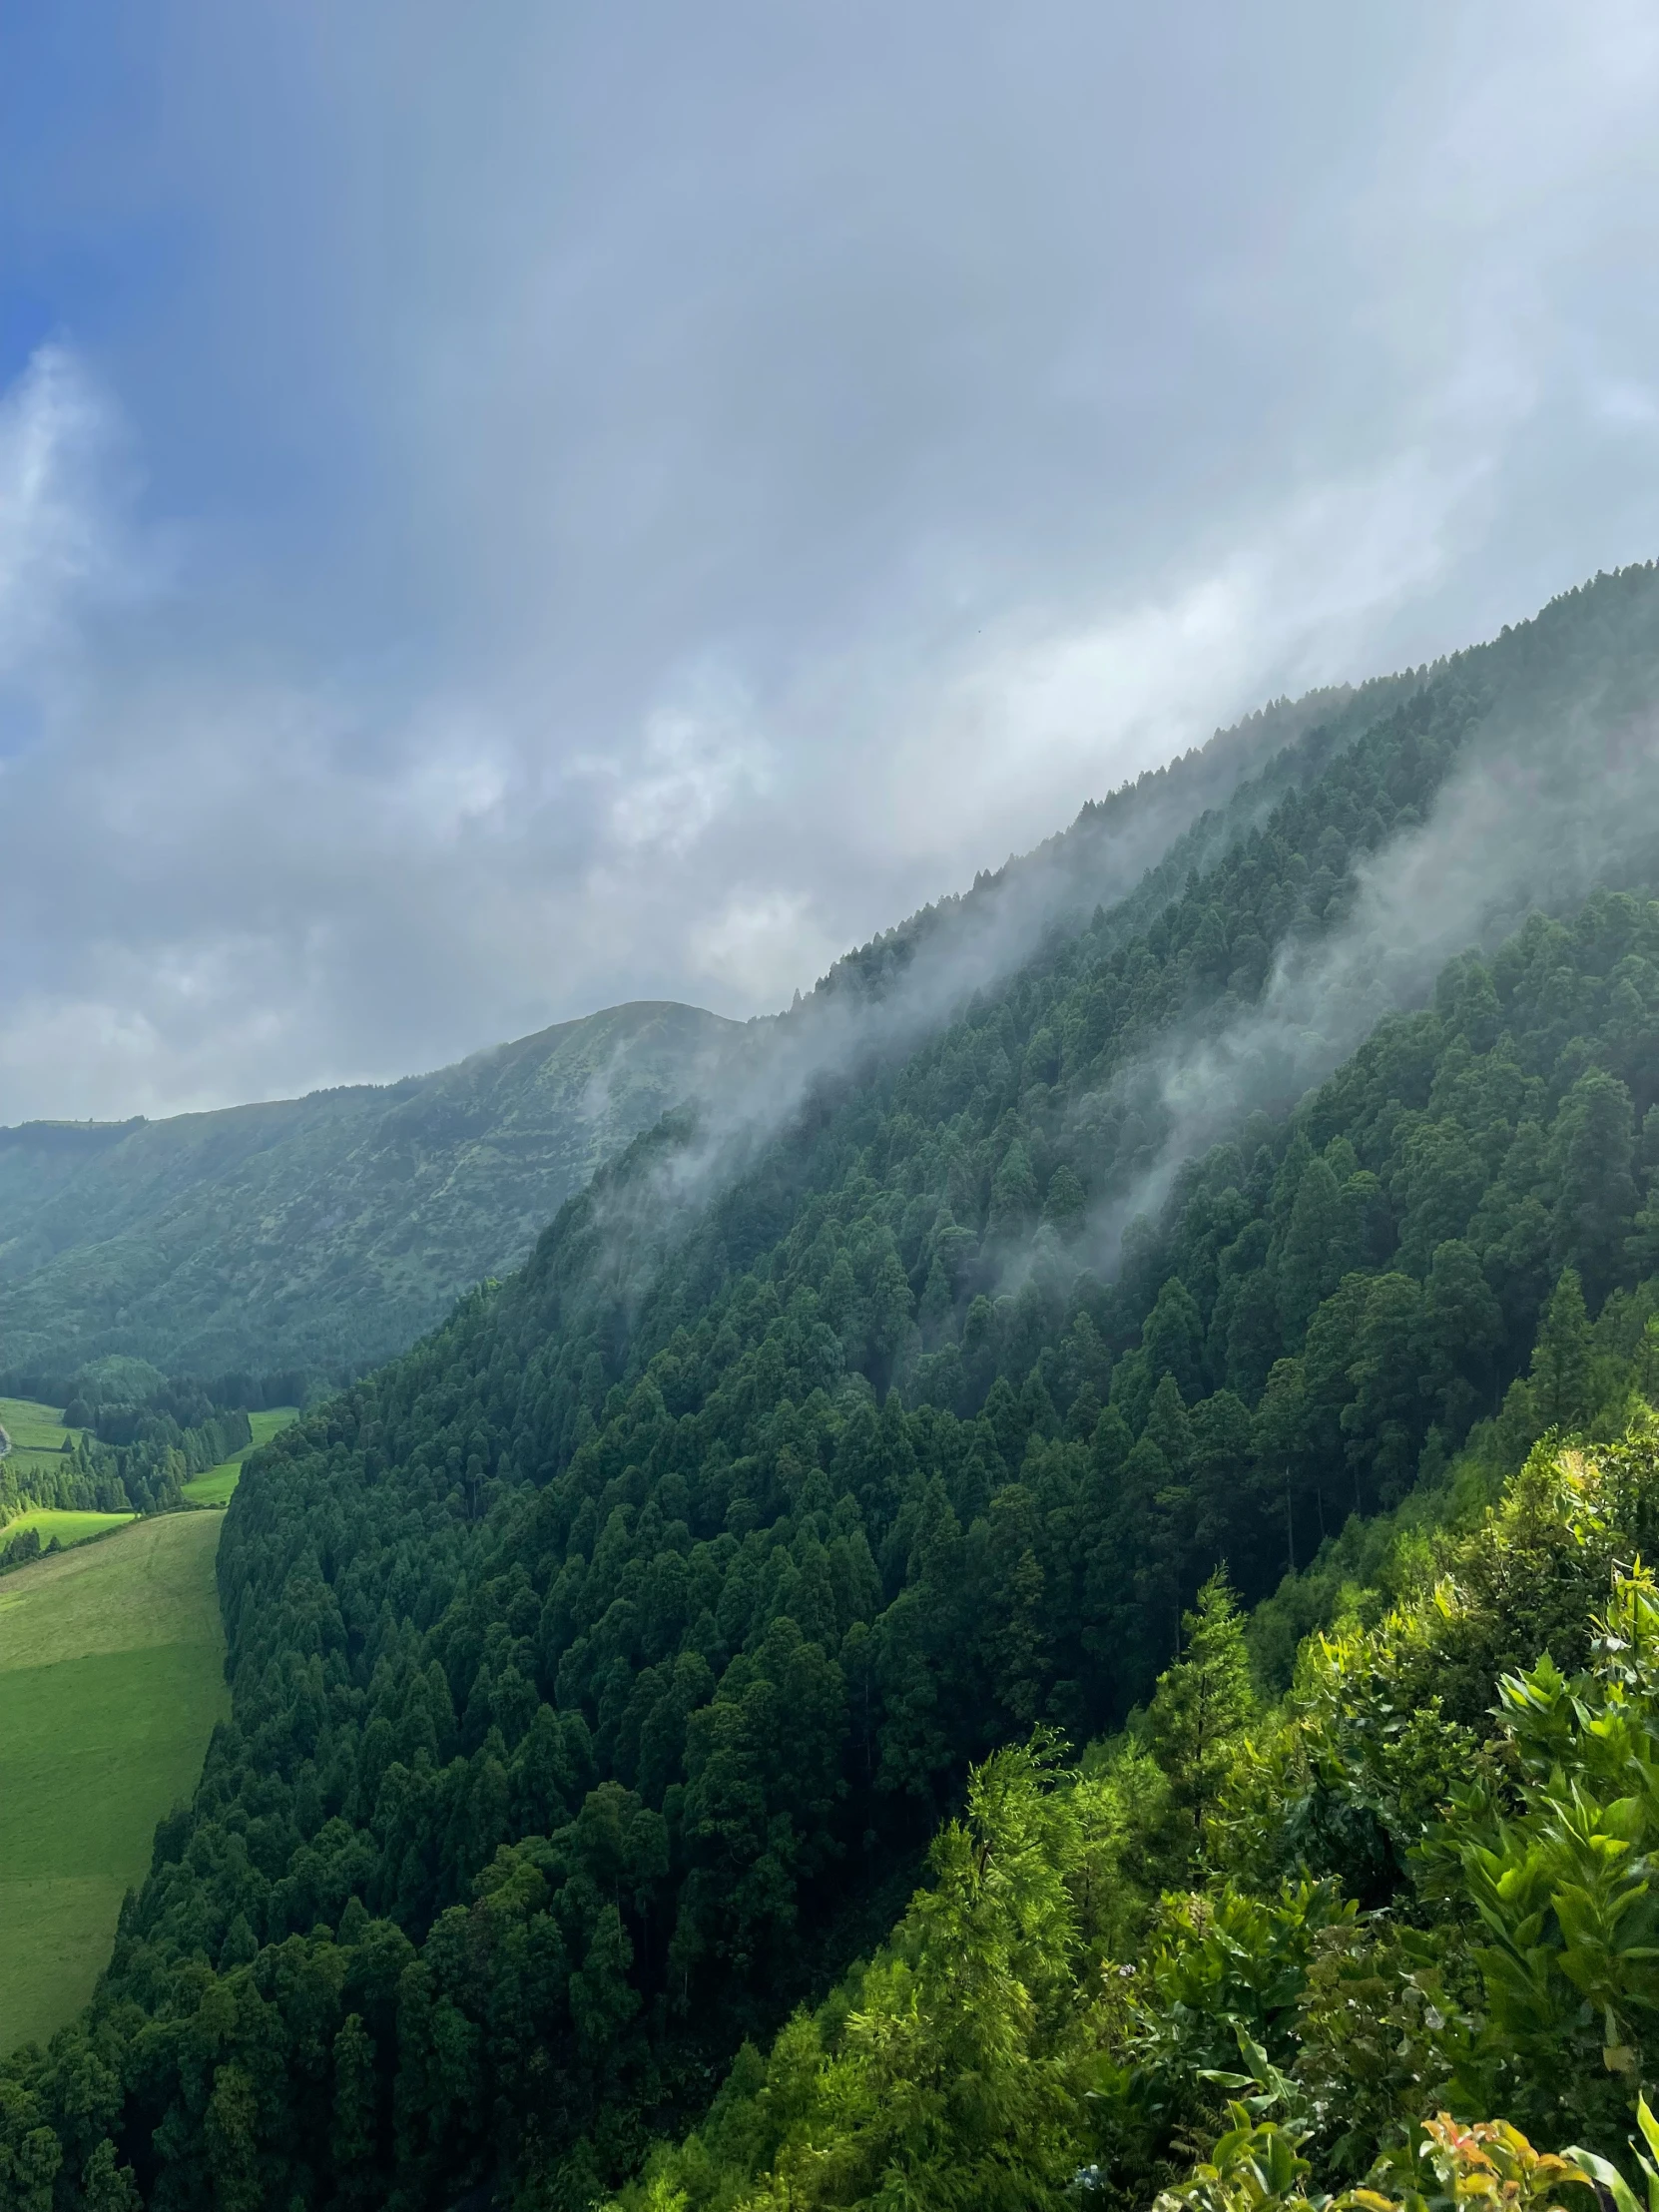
(880, 1004)
(1543, 807)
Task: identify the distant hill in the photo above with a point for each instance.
(323, 1231)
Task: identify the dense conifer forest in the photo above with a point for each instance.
(836, 1510)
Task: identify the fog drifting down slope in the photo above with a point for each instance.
(1541, 810)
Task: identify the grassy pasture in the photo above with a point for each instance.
(69, 1527)
(38, 1437)
(37, 1432)
(111, 1682)
(215, 1488)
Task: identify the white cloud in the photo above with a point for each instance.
(762, 945)
(699, 758)
(59, 541)
(1013, 741)
(1624, 404)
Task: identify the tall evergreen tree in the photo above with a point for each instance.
(1200, 1710)
(1561, 1377)
(1596, 1190)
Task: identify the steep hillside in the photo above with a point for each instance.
(1292, 1938)
(323, 1231)
(601, 1668)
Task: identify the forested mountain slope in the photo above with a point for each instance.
(1290, 1938)
(327, 1231)
(1190, 806)
(330, 1231)
(601, 1665)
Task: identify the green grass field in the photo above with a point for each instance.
(111, 1681)
(68, 1527)
(37, 1432)
(215, 1488)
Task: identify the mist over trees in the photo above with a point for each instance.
(328, 1232)
(604, 1668)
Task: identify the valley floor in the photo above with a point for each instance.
(111, 1682)
(215, 1488)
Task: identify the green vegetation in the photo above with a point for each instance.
(266, 1423)
(39, 1459)
(110, 1685)
(36, 1431)
(604, 1669)
(1293, 1935)
(215, 1488)
(51, 1525)
(323, 1231)
(117, 1455)
(54, 1482)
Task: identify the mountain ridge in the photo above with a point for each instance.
(282, 1192)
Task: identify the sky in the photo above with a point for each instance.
(508, 510)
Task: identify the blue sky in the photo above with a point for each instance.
(511, 509)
